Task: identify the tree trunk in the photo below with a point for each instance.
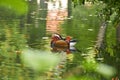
(101, 35)
(118, 33)
(117, 50)
(31, 11)
(41, 14)
(69, 21)
(69, 8)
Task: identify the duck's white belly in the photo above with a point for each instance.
(72, 44)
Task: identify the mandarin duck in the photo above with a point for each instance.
(59, 42)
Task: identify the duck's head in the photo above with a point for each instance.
(68, 38)
(56, 37)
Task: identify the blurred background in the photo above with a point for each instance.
(26, 27)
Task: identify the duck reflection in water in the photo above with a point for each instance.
(59, 44)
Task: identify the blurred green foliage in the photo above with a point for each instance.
(38, 60)
(83, 26)
(18, 6)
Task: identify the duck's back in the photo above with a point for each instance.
(61, 43)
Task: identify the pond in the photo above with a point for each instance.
(26, 51)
